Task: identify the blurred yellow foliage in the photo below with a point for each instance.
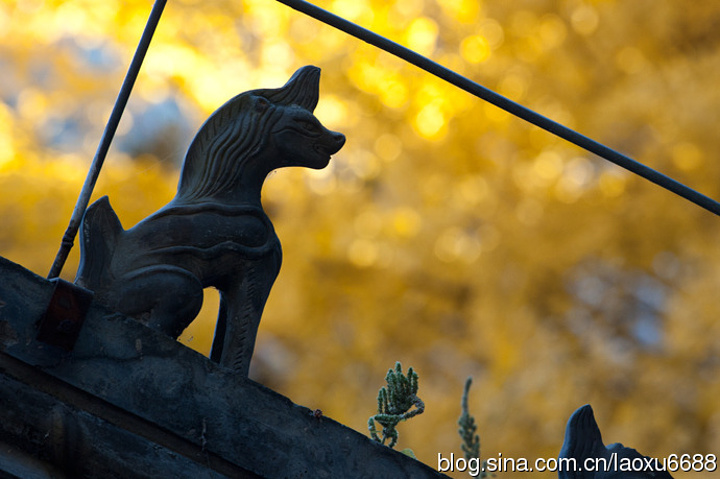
(446, 234)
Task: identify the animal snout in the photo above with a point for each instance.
(338, 140)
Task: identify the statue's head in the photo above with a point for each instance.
(584, 456)
(257, 132)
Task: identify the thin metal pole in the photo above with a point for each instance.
(107, 137)
(504, 103)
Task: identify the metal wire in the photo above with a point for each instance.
(504, 103)
(107, 137)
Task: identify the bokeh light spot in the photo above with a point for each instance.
(421, 35)
(584, 20)
(388, 147)
(514, 86)
(475, 49)
(363, 253)
(406, 222)
(548, 165)
(429, 122)
(687, 156)
(552, 31)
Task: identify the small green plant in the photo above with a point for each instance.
(395, 402)
(470, 440)
(468, 431)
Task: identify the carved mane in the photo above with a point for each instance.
(227, 142)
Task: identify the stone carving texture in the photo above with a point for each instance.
(214, 232)
(583, 441)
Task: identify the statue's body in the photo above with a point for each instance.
(214, 232)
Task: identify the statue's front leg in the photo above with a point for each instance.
(242, 304)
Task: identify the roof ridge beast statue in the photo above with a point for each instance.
(591, 459)
(214, 232)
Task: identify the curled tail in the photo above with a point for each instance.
(98, 237)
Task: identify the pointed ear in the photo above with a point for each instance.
(582, 440)
(306, 83)
(302, 89)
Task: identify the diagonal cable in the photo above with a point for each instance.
(107, 137)
(504, 103)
